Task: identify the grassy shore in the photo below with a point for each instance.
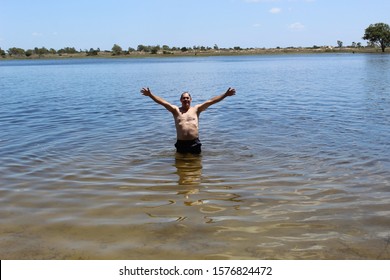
(191, 52)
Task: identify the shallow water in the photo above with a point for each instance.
(295, 166)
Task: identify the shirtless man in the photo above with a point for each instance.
(187, 118)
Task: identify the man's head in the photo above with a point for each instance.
(186, 99)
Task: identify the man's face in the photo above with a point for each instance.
(186, 100)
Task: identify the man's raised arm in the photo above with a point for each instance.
(147, 92)
(216, 99)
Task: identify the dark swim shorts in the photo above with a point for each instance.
(188, 146)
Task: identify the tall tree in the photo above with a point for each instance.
(379, 34)
(116, 50)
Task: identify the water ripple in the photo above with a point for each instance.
(296, 165)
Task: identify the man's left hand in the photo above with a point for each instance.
(230, 92)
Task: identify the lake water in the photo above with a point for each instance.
(296, 165)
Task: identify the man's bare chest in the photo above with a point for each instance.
(187, 117)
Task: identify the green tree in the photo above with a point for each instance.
(67, 50)
(92, 52)
(2, 52)
(16, 51)
(154, 49)
(29, 52)
(142, 48)
(41, 51)
(116, 50)
(378, 34)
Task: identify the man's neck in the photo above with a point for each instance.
(184, 109)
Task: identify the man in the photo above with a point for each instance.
(187, 118)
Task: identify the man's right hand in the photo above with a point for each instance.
(146, 91)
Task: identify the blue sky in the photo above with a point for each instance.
(246, 23)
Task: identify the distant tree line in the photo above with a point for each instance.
(340, 44)
(115, 50)
(377, 34)
(37, 51)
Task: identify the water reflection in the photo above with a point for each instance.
(189, 169)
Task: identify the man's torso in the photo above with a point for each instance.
(187, 123)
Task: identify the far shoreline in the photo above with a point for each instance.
(200, 53)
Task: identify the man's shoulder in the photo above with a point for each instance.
(196, 107)
(175, 110)
(199, 108)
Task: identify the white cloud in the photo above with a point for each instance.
(275, 10)
(257, 25)
(37, 34)
(296, 26)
